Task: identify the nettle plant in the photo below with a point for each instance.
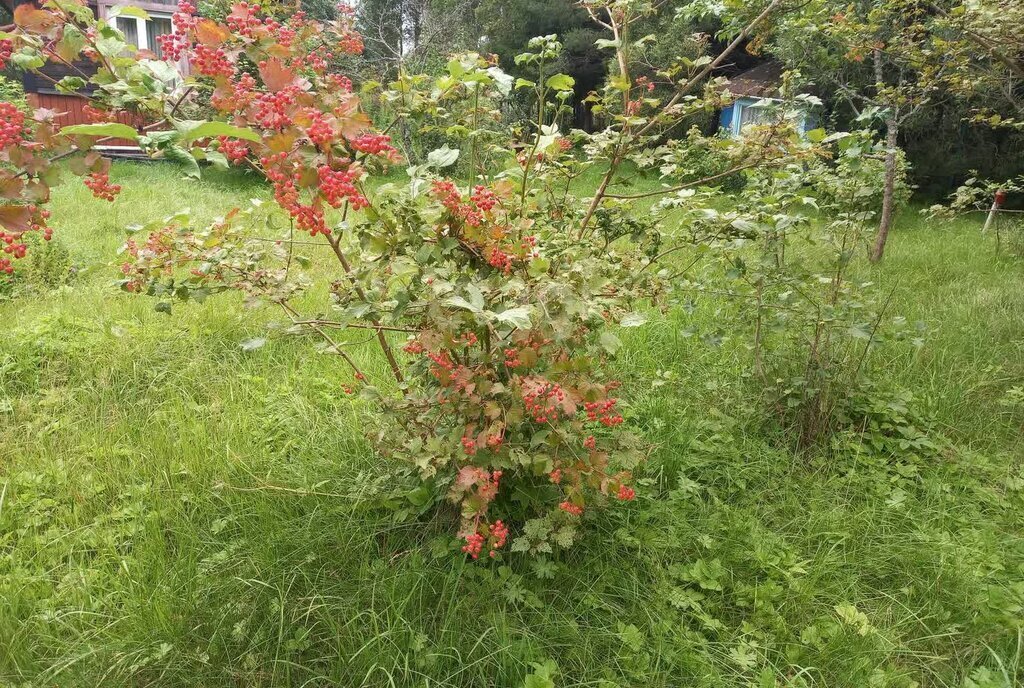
(493, 297)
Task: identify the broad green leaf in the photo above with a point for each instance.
(518, 317)
(253, 344)
(502, 80)
(442, 157)
(217, 159)
(205, 130)
(71, 42)
(610, 343)
(71, 84)
(127, 11)
(27, 59)
(104, 129)
(184, 158)
(560, 82)
(633, 320)
(459, 302)
(816, 135)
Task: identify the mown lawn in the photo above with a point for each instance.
(177, 511)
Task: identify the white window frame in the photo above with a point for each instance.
(140, 26)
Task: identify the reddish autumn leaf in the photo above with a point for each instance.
(275, 75)
(15, 218)
(10, 186)
(280, 143)
(35, 20)
(210, 33)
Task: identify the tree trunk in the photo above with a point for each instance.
(892, 129)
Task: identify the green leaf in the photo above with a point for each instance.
(71, 84)
(560, 82)
(816, 135)
(217, 159)
(206, 130)
(27, 60)
(442, 157)
(524, 83)
(610, 343)
(518, 317)
(253, 344)
(126, 11)
(459, 302)
(633, 320)
(184, 158)
(419, 497)
(104, 129)
(111, 47)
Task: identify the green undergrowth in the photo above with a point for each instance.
(177, 509)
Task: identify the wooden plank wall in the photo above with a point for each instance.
(71, 110)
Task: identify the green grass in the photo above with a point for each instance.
(143, 542)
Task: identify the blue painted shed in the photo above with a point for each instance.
(754, 91)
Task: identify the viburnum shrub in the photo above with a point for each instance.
(494, 294)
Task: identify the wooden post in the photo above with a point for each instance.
(998, 201)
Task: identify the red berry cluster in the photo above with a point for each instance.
(12, 247)
(625, 493)
(12, 125)
(338, 186)
(340, 83)
(590, 443)
(6, 50)
(556, 476)
(319, 129)
(442, 363)
(372, 144)
(500, 260)
(349, 40)
(644, 82)
(174, 44)
(570, 508)
(484, 198)
(309, 218)
(234, 150)
(445, 191)
(512, 358)
(603, 412)
(212, 62)
(273, 110)
(237, 96)
(497, 533)
(99, 184)
(542, 400)
(469, 445)
(243, 19)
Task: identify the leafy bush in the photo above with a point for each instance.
(508, 293)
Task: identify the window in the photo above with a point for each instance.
(754, 114)
(142, 33)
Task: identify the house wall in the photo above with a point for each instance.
(731, 117)
(71, 110)
(41, 93)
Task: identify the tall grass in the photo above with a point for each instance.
(177, 511)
